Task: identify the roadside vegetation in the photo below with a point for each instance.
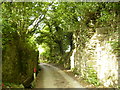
(33, 28)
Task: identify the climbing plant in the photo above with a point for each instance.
(91, 76)
(20, 53)
(59, 25)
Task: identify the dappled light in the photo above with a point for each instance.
(41, 50)
(60, 45)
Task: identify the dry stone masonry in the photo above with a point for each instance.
(98, 54)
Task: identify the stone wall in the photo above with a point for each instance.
(98, 54)
(18, 63)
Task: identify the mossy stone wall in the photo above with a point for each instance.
(97, 53)
(18, 62)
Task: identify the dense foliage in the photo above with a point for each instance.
(19, 47)
(52, 25)
(63, 19)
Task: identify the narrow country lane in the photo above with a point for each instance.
(53, 77)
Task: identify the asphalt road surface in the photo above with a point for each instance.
(53, 77)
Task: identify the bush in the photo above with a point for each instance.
(91, 76)
(12, 85)
(74, 70)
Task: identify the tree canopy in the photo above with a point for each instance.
(55, 22)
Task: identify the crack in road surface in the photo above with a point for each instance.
(53, 77)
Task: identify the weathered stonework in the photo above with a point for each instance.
(98, 54)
